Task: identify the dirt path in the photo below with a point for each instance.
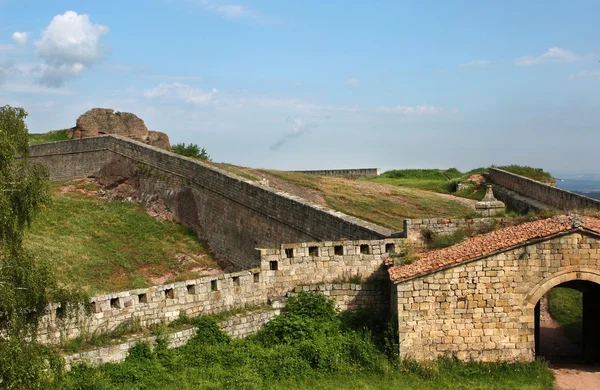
(564, 357)
(576, 377)
(467, 202)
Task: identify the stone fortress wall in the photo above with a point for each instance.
(351, 173)
(233, 214)
(327, 267)
(549, 195)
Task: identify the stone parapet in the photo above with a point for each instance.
(349, 173)
(281, 271)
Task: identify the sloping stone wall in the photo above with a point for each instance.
(233, 214)
(552, 196)
(484, 309)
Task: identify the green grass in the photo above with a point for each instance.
(379, 203)
(530, 172)
(565, 305)
(436, 180)
(298, 178)
(104, 246)
(51, 136)
(392, 210)
(307, 347)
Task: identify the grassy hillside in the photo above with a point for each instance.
(566, 307)
(379, 203)
(106, 246)
(436, 180)
(51, 136)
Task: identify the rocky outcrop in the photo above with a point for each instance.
(158, 139)
(100, 121)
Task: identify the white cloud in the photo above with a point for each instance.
(20, 38)
(35, 89)
(554, 54)
(233, 11)
(230, 11)
(180, 92)
(172, 77)
(476, 64)
(69, 46)
(422, 109)
(353, 82)
(594, 74)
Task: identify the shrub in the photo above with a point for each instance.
(311, 305)
(191, 150)
(208, 332)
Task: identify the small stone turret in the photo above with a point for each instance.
(489, 205)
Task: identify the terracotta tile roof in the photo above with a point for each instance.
(484, 244)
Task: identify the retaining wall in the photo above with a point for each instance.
(237, 326)
(552, 196)
(233, 214)
(352, 173)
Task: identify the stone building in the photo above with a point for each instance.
(479, 299)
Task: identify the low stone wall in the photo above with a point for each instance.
(552, 196)
(351, 173)
(351, 296)
(413, 228)
(281, 270)
(237, 326)
(245, 324)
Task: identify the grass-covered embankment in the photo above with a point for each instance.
(375, 202)
(307, 347)
(51, 136)
(566, 307)
(436, 180)
(530, 172)
(107, 246)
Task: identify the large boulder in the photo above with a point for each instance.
(159, 139)
(100, 121)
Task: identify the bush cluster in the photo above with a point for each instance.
(308, 340)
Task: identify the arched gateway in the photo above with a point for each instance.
(480, 298)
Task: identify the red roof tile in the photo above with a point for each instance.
(484, 244)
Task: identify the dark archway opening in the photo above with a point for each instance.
(567, 323)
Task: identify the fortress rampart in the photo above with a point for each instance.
(551, 196)
(233, 214)
(327, 267)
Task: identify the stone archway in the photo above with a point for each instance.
(586, 281)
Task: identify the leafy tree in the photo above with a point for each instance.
(27, 285)
(191, 150)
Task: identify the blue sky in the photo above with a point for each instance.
(314, 84)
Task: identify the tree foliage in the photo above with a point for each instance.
(190, 150)
(27, 284)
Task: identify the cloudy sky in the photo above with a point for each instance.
(321, 84)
